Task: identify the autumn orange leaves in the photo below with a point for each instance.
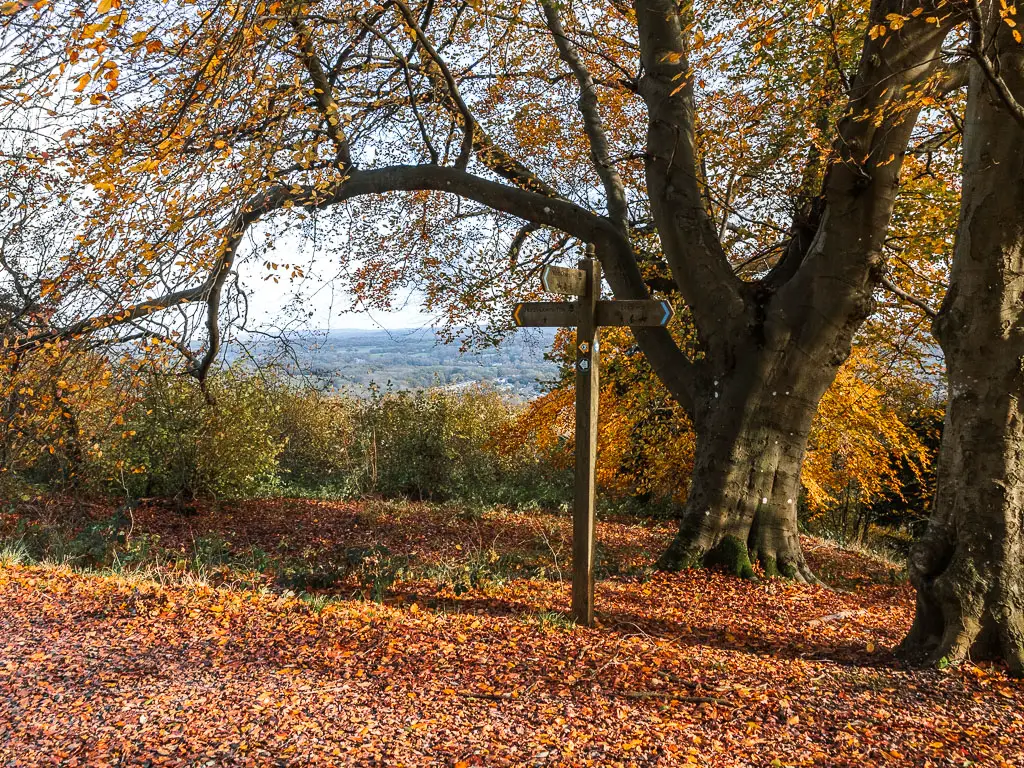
(694, 668)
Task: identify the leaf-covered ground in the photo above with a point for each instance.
(696, 668)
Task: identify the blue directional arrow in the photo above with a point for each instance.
(668, 313)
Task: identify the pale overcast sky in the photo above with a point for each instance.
(322, 301)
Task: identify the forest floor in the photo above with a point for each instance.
(247, 636)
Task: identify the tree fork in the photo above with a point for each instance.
(780, 342)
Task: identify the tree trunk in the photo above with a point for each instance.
(771, 347)
(741, 508)
(969, 566)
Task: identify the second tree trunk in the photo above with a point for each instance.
(969, 567)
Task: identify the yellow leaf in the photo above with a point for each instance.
(90, 31)
(895, 20)
(82, 82)
(104, 6)
(146, 165)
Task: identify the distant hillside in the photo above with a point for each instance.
(356, 360)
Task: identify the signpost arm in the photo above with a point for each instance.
(587, 367)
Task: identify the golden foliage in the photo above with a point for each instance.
(59, 406)
(645, 440)
(861, 435)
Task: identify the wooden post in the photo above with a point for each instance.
(586, 313)
(587, 368)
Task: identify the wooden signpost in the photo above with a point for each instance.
(587, 313)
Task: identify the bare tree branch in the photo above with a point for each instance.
(468, 121)
(894, 289)
(600, 150)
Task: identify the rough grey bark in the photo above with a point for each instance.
(741, 507)
(773, 347)
(969, 567)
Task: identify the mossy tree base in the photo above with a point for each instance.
(734, 557)
(731, 554)
(741, 506)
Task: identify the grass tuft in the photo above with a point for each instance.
(15, 553)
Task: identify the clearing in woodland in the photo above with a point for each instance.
(295, 632)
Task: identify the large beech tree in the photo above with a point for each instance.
(537, 126)
(969, 567)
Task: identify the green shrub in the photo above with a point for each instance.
(258, 434)
(437, 445)
(377, 570)
(301, 576)
(38, 541)
(211, 551)
(98, 545)
(401, 446)
(177, 443)
(316, 431)
(374, 570)
(481, 568)
(554, 621)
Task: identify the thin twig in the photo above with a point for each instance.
(921, 304)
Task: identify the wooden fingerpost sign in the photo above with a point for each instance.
(587, 313)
